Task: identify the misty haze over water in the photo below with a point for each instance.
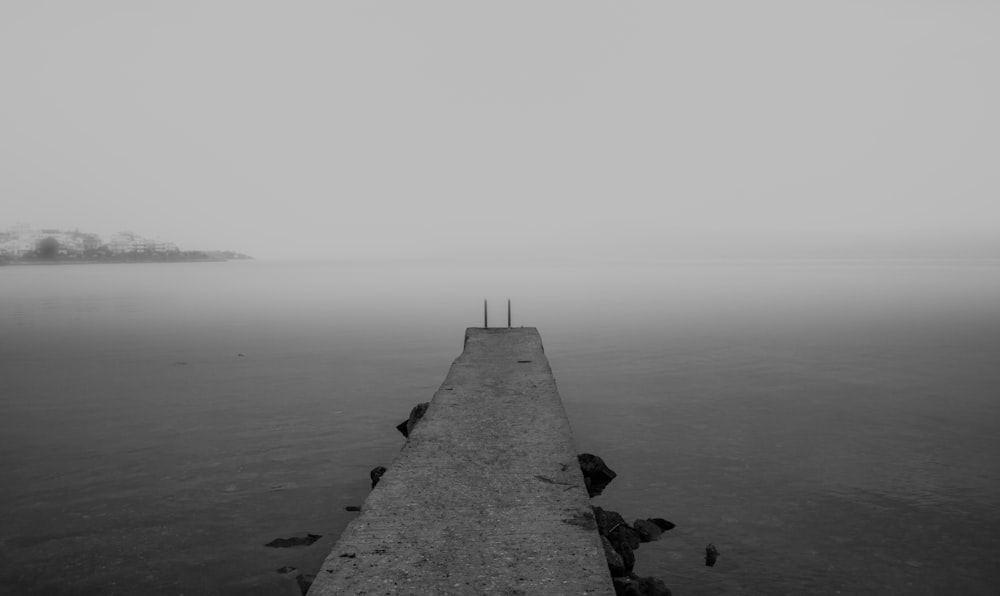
(358, 130)
(830, 426)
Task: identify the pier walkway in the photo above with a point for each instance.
(486, 497)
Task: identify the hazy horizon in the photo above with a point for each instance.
(561, 129)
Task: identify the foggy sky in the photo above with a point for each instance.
(412, 129)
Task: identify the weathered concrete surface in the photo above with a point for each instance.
(486, 497)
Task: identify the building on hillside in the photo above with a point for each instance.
(22, 241)
(19, 240)
(125, 242)
(90, 241)
(9, 248)
(130, 242)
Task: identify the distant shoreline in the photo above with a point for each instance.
(46, 263)
(121, 261)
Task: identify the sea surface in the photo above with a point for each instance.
(833, 427)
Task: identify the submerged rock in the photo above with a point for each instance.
(711, 555)
(293, 581)
(418, 411)
(294, 541)
(651, 529)
(596, 474)
(305, 582)
(664, 524)
(648, 531)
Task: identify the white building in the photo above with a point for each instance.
(129, 242)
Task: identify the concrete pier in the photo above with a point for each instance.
(486, 497)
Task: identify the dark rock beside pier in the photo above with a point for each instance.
(294, 541)
(634, 585)
(376, 474)
(607, 520)
(305, 582)
(418, 411)
(615, 563)
(627, 535)
(651, 529)
(596, 474)
(627, 553)
(620, 541)
(620, 537)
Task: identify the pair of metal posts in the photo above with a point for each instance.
(486, 316)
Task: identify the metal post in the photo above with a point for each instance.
(508, 313)
(486, 323)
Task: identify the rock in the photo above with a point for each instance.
(653, 586)
(286, 569)
(352, 508)
(623, 549)
(418, 411)
(294, 541)
(613, 529)
(633, 585)
(615, 563)
(648, 531)
(651, 529)
(612, 525)
(596, 474)
(664, 524)
(711, 554)
(305, 581)
(289, 584)
(627, 534)
(607, 521)
(624, 586)
(376, 474)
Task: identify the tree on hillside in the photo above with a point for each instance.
(47, 248)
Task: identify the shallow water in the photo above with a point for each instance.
(829, 426)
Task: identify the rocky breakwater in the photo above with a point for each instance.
(620, 539)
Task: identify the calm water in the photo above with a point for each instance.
(831, 427)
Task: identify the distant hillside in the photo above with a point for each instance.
(24, 244)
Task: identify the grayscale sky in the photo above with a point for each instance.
(423, 129)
